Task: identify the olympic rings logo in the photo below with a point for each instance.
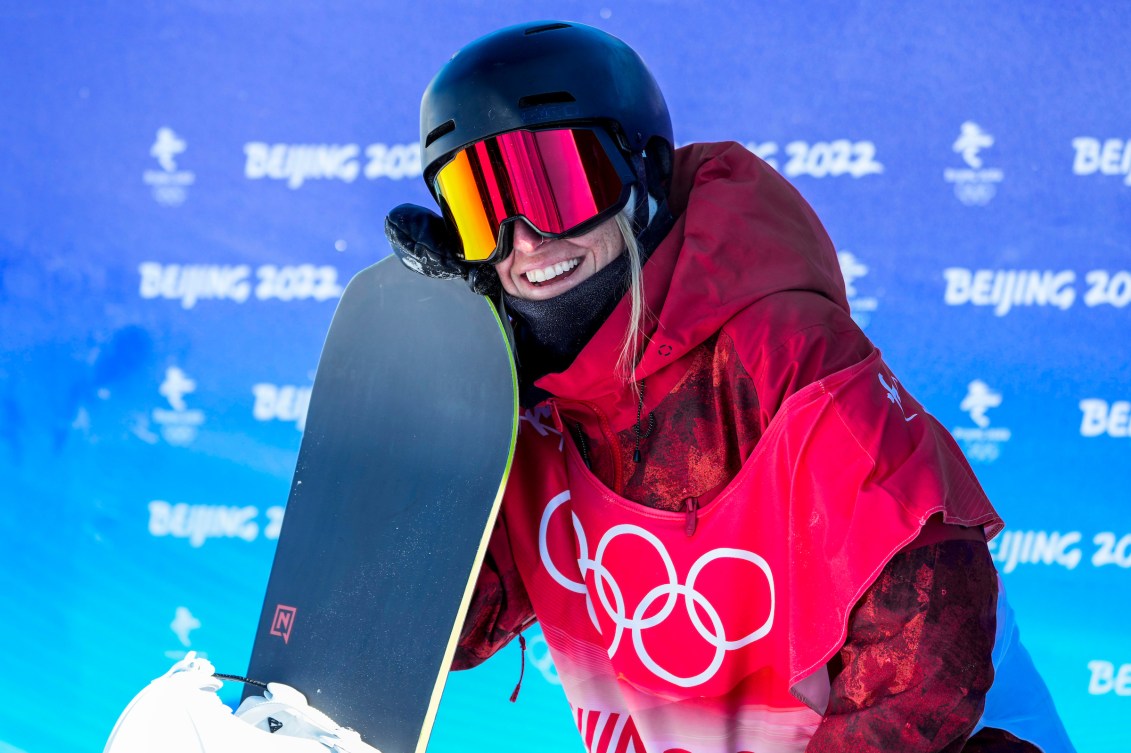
(672, 593)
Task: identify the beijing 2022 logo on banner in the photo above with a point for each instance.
(853, 269)
(169, 184)
(975, 184)
(981, 442)
(179, 423)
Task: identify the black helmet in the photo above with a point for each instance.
(537, 75)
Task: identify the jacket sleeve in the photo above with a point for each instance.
(499, 609)
(915, 667)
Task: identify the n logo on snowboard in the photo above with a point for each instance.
(283, 621)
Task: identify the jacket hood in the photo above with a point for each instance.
(742, 233)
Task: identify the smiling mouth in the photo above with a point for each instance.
(538, 277)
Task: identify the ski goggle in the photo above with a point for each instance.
(562, 182)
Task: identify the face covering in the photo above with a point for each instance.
(549, 334)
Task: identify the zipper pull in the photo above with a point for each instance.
(522, 666)
(640, 434)
(691, 505)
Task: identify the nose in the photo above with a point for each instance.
(525, 239)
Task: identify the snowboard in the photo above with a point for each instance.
(408, 442)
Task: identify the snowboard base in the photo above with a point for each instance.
(408, 442)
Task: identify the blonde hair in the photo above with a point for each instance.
(639, 314)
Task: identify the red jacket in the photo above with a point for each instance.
(749, 312)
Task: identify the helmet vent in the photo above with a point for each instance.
(549, 98)
(440, 130)
(545, 27)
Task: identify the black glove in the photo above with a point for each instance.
(423, 242)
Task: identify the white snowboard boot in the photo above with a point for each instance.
(180, 712)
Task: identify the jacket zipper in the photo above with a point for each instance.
(582, 444)
(691, 512)
(641, 434)
(606, 433)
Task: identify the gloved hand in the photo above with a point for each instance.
(423, 242)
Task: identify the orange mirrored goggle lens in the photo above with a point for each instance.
(556, 179)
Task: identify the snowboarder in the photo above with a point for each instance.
(735, 526)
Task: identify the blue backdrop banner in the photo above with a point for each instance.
(186, 188)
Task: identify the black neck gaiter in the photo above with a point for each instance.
(549, 334)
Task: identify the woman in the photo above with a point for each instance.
(736, 529)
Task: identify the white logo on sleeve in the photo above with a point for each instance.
(891, 391)
(535, 418)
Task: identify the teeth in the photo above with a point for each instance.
(549, 273)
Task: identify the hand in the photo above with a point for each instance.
(423, 242)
